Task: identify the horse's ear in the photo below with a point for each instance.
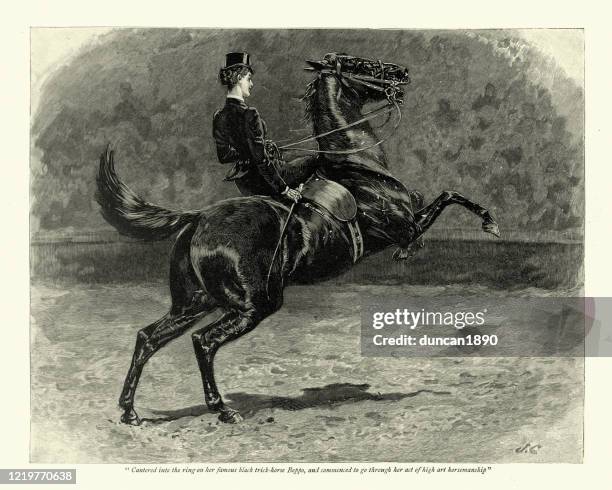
(316, 65)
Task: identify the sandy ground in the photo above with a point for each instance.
(300, 382)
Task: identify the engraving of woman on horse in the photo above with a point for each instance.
(238, 255)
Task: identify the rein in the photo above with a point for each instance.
(374, 114)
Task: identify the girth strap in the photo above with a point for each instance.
(357, 238)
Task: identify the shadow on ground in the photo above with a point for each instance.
(326, 396)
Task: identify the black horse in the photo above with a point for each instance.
(226, 256)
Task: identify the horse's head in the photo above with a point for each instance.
(368, 79)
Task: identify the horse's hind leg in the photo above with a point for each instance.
(148, 341)
(234, 271)
(427, 215)
(189, 303)
(206, 343)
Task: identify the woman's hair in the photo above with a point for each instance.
(229, 76)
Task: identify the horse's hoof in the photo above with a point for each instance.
(230, 416)
(491, 227)
(130, 417)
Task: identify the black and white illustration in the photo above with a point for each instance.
(209, 209)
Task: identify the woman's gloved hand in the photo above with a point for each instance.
(293, 194)
(271, 148)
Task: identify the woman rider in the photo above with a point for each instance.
(240, 136)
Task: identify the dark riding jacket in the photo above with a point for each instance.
(240, 136)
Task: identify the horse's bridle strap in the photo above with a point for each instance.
(371, 82)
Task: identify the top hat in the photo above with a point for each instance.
(238, 59)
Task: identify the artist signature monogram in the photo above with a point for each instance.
(528, 449)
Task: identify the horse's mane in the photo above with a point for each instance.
(310, 103)
(309, 99)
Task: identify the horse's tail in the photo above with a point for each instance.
(128, 213)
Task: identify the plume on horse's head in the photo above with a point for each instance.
(376, 70)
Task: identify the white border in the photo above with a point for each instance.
(14, 76)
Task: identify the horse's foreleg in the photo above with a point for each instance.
(206, 343)
(427, 215)
(148, 341)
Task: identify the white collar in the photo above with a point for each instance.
(235, 97)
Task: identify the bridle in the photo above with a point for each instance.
(389, 87)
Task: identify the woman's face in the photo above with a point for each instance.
(245, 83)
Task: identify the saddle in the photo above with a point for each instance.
(335, 199)
(331, 196)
